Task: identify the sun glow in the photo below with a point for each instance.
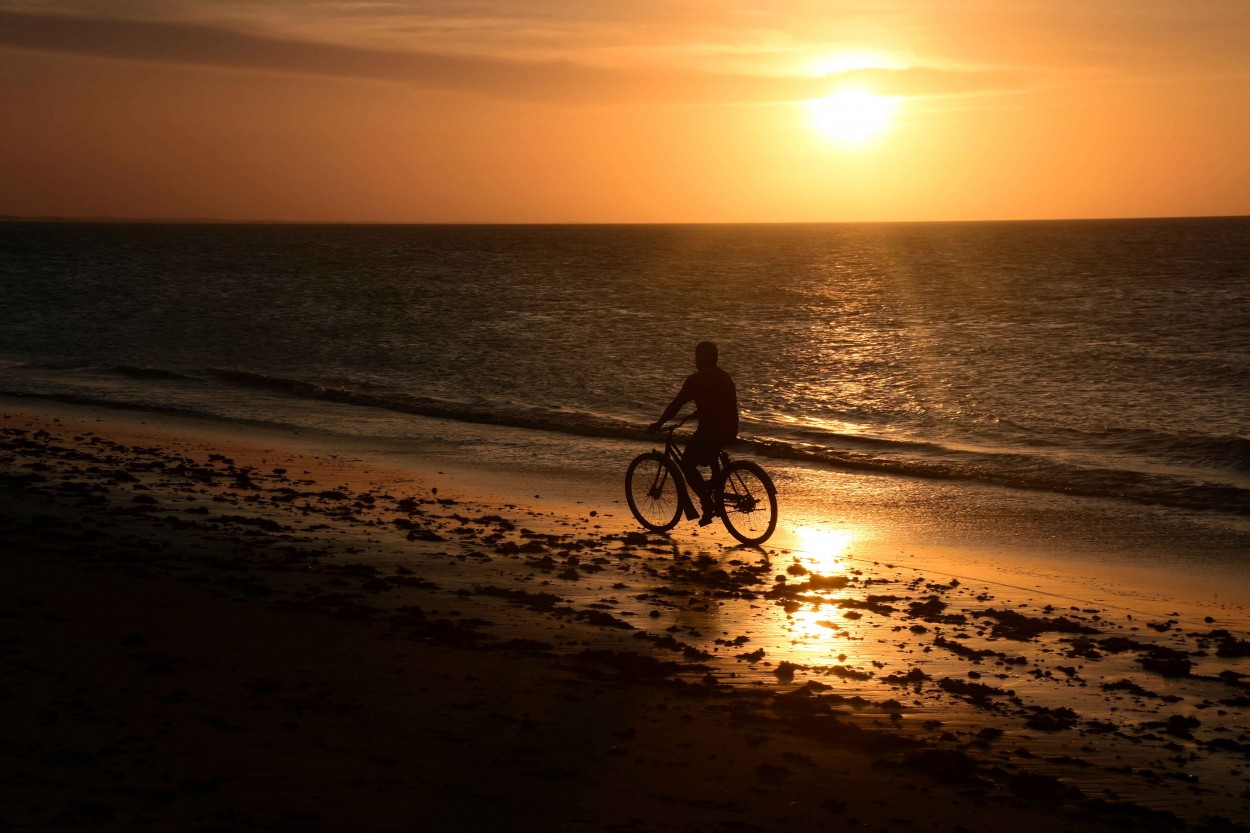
(822, 550)
(848, 60)
(853, 116)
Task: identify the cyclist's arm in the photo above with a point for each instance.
(683, 396)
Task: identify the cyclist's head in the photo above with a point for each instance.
(705, 355)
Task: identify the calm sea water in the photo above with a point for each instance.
(1107, 359)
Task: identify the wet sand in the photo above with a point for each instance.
(213, 628)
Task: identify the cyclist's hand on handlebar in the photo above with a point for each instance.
(655, 426)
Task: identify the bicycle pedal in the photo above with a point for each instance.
(691, 514)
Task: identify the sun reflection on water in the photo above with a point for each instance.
(821, 624)
(816, 630)
(823, 551)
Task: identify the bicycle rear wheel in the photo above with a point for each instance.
(653, 487)
(748, 502)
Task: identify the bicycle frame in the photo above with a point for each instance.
(672, 452)
(733, 491)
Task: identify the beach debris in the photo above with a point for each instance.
(1012, 625)
(978, 694)
(949, 765)
(785, 671)
(1169, 662)
(1051, 720)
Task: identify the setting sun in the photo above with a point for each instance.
(853, 116)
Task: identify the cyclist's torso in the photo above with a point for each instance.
(716, 397)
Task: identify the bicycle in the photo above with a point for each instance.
(743, 493)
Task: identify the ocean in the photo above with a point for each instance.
(1105, 362)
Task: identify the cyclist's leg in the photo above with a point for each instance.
(701, 450)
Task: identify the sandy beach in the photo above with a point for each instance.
(219, 627)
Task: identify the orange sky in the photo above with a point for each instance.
(608, 111)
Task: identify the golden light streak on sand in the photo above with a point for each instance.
(823, 551)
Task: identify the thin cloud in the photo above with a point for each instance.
(926, 81)
(557, 81)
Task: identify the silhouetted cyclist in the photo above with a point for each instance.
(716, 403)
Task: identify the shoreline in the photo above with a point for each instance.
(982, 723)
(1043, 541)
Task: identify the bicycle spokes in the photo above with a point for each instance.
(740, 502)
(748, 502)
(737, 495)
(652, 488)
(657, 486)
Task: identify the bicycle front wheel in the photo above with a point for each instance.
(653, 488)
(748, 502)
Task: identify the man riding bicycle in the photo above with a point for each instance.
(716, 402)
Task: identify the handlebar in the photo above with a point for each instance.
(673, 426)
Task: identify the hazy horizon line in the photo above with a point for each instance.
(222, 221)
